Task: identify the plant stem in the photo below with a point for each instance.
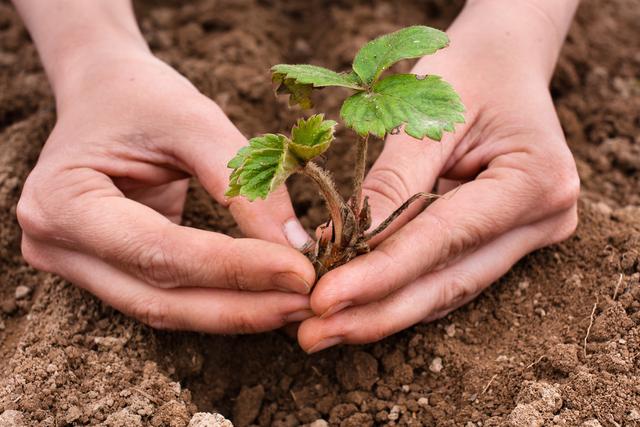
(331, 196)
(361, 164)
(395, 214)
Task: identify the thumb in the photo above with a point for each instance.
(405, 167)
(272, 219)
(207, 154)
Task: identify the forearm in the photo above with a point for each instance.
(68, 33)
(496, 39)
(523, 30)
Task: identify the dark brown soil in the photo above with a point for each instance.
(516, 356)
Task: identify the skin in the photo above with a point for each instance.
(519, 182)
(102, 205)
(101, 208)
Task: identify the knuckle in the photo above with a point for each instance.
(377, 269)
(456, 240)
(567, 191)
(562, 187)
(378, 332)
(152, 265)
(242, 322)
(388, 183)
(33, 255)
(32, 217)
(233, 269)
(153, 261)
(461, 287)
(354, 331)
(566, 226)
(436, 315)
(152, 311)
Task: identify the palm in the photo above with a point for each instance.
(167, 199)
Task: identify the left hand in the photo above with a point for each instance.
(520, 194)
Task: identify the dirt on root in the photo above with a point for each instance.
(515, 356)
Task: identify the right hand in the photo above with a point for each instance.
(100, 207)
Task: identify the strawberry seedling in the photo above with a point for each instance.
(425, 106)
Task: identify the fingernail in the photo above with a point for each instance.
(325, 343)
(299, 316)
(335, 308)
(291, 282)
(295, 234)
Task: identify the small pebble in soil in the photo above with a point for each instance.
(394, 414)
(603, 208)
(540, 312)
(247, 406)
(525, 415)
(357, 370)
(319, 423)
(423, 401)
(205, 419)
(11, 418)
(2, 325)
(450, 330)
(436, 365)
(73, 414)
(22, 291)
(523, 285)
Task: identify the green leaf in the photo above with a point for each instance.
(239, 158)
(411, 42)
(300, 93)
(311, 137)
(299, 80)
(261, 167)
(428, 106)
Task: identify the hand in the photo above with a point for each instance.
(519, 191)
(101, 206)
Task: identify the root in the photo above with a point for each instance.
(379, 229)
(534, 363)
(615, 292)
(592, 317)
(484, 390)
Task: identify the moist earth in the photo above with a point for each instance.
(554, 342)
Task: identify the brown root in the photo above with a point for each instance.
(429, 197)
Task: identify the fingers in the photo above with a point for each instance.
(502, 198)
(207, 310)
(435, 294)
(89, 215)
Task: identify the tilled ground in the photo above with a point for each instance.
(515, 356)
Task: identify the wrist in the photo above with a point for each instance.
(500, 50)
(519, 32)
(78, 62)
(70, 35)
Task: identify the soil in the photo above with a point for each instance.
(515, 356)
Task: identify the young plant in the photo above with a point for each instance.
(425, 105)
